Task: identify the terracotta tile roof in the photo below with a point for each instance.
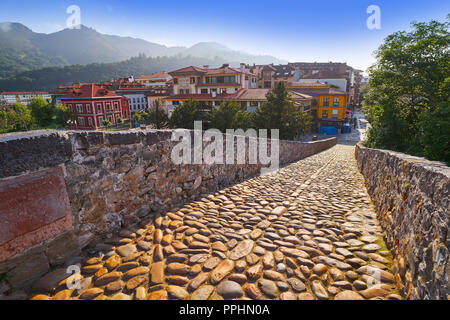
(89, 91)
(224, 69)
(241, 95)
(190, 69)
(299, 95)
(253, 94)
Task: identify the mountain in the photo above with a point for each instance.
(48, 79)
(22, 50)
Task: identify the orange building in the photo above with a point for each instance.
(329, 105)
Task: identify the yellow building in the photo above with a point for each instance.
(329, 106)
(155, 80)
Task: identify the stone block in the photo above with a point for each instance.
(33, 208)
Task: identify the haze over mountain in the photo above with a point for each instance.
(22, 50)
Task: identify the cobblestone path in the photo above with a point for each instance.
(307, 231)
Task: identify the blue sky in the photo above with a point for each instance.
(294, 30)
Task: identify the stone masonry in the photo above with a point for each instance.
(412, 200)
(111, 180)
(307, 231)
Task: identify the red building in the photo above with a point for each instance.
(94, 104)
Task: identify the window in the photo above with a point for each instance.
(108, 107)
(175, 81)
(81, 121)
(90, 122)
(326, 101)
(116, 106)
(100, 120)
(99, 108)
(183, 81)
(334, 114)
(325, 113)
(80, 108)
(192, 80)
(134, 100)
(336, 102)
(70, 108)
(88, 108)
(204, 91)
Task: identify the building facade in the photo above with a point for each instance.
(154, 80)
(247, 99)
(215, 81)
(329, 106)
(137, 97)
(94, 104)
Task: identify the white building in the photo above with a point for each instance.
(136, 97)
(24, 97)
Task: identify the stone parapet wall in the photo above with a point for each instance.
(412, 199)
(110, 180)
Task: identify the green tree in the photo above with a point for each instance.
(222, 118)
(42, 111)
(136, 118)
(280, 112)
(243, 120)
(5, 125)
(158, 116)
(106, 123)
(22, 117)
(185, 114)
(12, 120)
(407, 103)
(64, 115)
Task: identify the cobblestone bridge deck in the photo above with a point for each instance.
(306, 231)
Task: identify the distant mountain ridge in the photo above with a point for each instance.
(22, 50)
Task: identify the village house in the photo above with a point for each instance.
(154, 80)
(214, 81)
(136, 96)
(93, 104)
(248, 99)
(329, 106)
